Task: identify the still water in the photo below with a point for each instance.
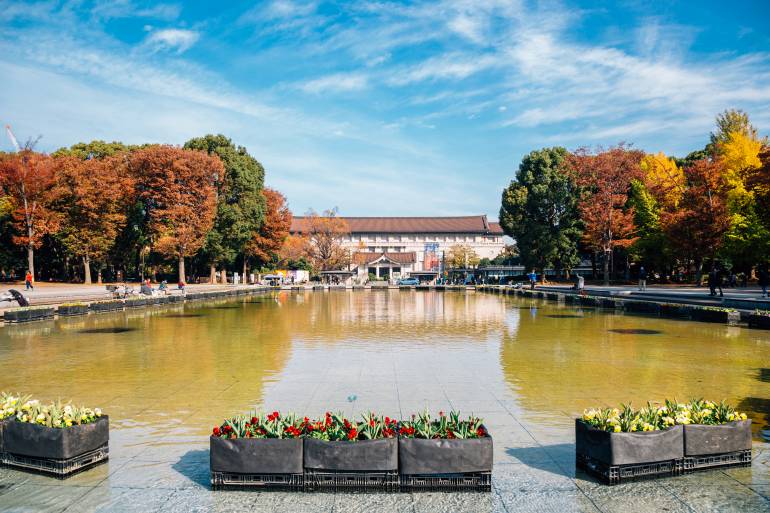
(178, 370)
(167, 375)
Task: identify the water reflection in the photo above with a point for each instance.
(180, 368)
(558, 365)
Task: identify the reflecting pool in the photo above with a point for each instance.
(167, 375)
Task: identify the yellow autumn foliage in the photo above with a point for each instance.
(740, 155)
(663, 178)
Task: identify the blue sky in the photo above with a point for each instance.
(384, 108)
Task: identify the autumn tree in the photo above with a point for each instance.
(91, 198)
(461, 256)
(696, 227)
(176, 187)
(606, 177)
(540, 211)
(27, 178)
(266, 242)
(325, 234)
(240, 202)
(294, 252)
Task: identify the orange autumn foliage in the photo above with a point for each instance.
(268, 240)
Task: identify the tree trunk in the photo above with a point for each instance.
(31, 260)
(181, 269)
(213, 274)
(606, 268)
(243, 277)
(223, 276)
(86, 270)
(593, 265)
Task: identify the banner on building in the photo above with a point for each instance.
(430, 261)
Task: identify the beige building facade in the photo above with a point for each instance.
(398, 247)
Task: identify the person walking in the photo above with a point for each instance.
(28, 281)
(642, 278)
(715, 283)
(532, 279)
(764, 279)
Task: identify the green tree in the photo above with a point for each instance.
(652, 247)
(240, 203)
(93, 150)
(540, 211)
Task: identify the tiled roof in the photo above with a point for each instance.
(405, 257)
(495, 228)
(464, 224)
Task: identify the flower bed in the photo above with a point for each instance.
(72, 309)
(28, 313)
(622, 443)
(444, 453)
(56, 438)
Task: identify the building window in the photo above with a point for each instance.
(372, 249)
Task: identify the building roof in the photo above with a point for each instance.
(462, 224)
(365, 257)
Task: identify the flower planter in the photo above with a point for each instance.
(644, 307)
(675, 311)
(34, 313)
(72, 310)
(362, 464)
(718, 316)
(445, 464)
(618, 457)
(106, 306)
(759, 321)
(256, 462)
(717, 445)
(57, 451)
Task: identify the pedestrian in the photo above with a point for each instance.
(28, 281)
(715, 282)
(532, 279)
(764, 279)
(733, 279)
(642, 278)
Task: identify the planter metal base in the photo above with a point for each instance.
(317, 480)
(614, 474)
(468, 482)
(58, 468)
(728, 459)
(226, 480)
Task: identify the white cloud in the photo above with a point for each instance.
(452, 66)
(172, 39)
(338, 82)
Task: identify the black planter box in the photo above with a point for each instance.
(617, 457)
(256, 462)
(644, 307)
(28, 314)
(700, 440)
(2, 428)
(106, 306)
(441, 464)
(72, 310)
(360, 465)
(759, 321)
(58, 451)
(675, 311)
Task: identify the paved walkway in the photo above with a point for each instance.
(57, 293)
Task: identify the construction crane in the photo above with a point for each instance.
(12, 137)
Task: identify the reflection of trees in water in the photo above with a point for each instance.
(561, 366)
(393, 315)
(170, 364)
